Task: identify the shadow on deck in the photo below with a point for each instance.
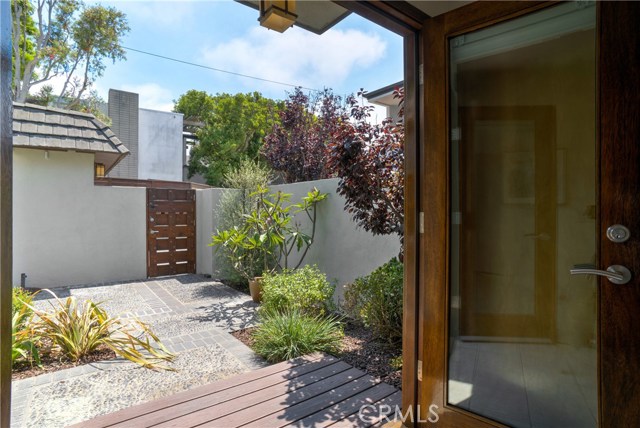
(312, 391)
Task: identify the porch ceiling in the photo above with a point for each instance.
(314, 16)
(318, 16)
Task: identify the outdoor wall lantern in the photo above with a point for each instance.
(277, 15)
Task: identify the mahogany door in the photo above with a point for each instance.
(530, 288)
(171, 231)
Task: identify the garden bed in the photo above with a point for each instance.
(51, 364)
(361, 350)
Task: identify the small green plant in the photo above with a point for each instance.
(306, 289)
(290, 334)
(376, 300)
(75, 331)
(396, 362)
(266, 239)
(20, 298)
(23, 338)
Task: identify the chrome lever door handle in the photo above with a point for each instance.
(616, 274)
(153, 232)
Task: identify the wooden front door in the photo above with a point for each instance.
(531, 163)
(171, 231)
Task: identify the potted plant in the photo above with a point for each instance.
(268, 236)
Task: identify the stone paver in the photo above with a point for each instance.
(191, 314)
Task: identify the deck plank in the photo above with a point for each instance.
(285, 367)
(296, 411)
(235, 399)
(372, 416)
(316, 390)
(346, 408)
(247, 414)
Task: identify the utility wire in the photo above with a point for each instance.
(220, 70)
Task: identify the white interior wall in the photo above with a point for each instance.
(67, 231)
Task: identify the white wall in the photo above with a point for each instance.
(341, 249)
(67, 231)
(205, 219)
(160, 145)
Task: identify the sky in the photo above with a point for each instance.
(226, 35)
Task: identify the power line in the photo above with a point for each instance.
(220, 70)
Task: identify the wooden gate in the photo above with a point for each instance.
(171, 231)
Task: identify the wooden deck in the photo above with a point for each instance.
(312, 391)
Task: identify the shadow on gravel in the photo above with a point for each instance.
(229, 316)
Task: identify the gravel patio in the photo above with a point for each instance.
(192, 315)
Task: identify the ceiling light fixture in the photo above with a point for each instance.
(277, 15)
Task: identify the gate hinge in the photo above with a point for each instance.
(421, 222)
(419, 371)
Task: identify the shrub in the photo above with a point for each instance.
(306, 290)
(23, 338)
(235, 204)
(77, 330)
(376, 300)
(20, 299)
(271, 232)
(290, 334)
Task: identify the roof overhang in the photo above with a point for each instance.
(314, 16)
(48, 128)
(384, 96)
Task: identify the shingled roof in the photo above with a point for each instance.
(50, 128)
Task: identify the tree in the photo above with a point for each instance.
(195, 105)
(297, 147)
(369, 159)
(234, 129)
(63, 38)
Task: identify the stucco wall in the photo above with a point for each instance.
(67, 231)
(205, 219)
(341, 249)
(160, 145)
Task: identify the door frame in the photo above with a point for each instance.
(618, 98)
(408, 22)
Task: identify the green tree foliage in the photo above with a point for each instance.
(195, 105)
(24, 32)
(63, 38)
(234, 129)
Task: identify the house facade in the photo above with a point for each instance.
(66, 230)
(154, 139)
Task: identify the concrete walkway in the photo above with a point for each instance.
(193, 317)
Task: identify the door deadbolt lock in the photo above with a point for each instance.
(618, 233)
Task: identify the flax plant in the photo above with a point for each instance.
(76, 330)
(23, 338)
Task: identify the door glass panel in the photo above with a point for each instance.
(522, 331)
